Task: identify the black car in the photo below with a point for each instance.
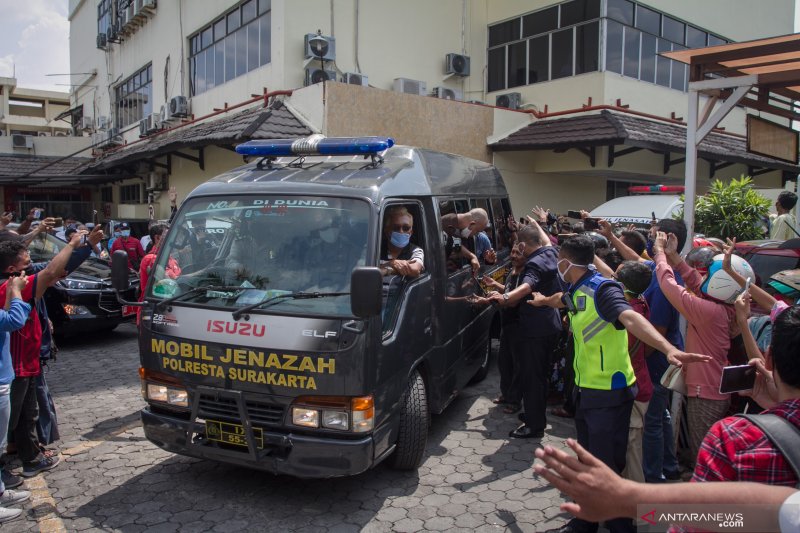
(83, 301)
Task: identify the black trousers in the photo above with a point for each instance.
(24, 416)
(508, 362)
(535, 366)
(603, 431)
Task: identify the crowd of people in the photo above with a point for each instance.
(614, 303)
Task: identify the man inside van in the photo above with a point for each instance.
(783, 225)
(398, 254)
(458, 230)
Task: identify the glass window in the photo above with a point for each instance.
(621, 10)
(264, 6)
(630, 67)
(579, 11)
(219, 63)
(134, 98)
(562, 54)
(248, 11)
(713, 40)
(268, 247)
(230, 58)
(233, 21)
(678, 80)
(504, 32)
(614, 46)
(200, 72)
(266, 45)
(673, 30)
(210, 71)
(206, 38)
(648, 20)
(241, 51)
(648, 58)
(501, 213)
(540, 22)
(252, 46)
(219, 29)
(497, 69)
(695, 38)
(539, 59)
(663, 65)
(517, 68)
(587, 48)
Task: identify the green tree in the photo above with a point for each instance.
(731, 209)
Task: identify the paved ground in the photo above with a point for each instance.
(473, 479)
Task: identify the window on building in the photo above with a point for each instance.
(134, 98)
(617, 189)
(230, 46)
(130, 194)
(103, 16)
(107, 195)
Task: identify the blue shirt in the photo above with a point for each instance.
(11, 320)
(482, 243)
(541, 274)
(662, 315)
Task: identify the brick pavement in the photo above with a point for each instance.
(474, 477)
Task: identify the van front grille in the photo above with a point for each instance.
(225, 410)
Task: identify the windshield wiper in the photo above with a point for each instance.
(291, 295)
(164, 303)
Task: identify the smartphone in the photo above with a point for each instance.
(574, 214)
(737, 378)
(58, 222)
(37, 214)
(590, 224)
(747, 284)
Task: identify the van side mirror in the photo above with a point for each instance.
(119, 271)
(366, 286)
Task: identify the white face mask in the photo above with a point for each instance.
(560, 274)
(466, 232)
(329, 235)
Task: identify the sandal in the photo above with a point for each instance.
(561, 412)
(499, 400)
(511, 408)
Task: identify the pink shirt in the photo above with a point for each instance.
(708, 332)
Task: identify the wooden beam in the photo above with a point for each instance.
(740, 54)
(625, 151)
(668, 161)
(591, 153)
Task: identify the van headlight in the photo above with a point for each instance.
(156, 392)
(80, 284)
(335, 412)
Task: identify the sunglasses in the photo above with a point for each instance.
(405, 228)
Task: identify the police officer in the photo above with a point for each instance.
(605, 384)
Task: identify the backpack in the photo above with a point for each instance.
(783, 434)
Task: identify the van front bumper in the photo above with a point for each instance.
(283, 453)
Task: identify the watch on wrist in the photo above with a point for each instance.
(505, 296)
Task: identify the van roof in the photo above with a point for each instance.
(405, 171)
(637, 208)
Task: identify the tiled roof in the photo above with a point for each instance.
(609, 128)
(24, 169)
(276, 122)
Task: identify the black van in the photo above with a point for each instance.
(280, 346)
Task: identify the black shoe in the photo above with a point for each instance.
(10, 481)
(524, 432)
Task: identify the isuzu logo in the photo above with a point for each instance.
(236, 328)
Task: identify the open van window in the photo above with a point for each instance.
(267, 246)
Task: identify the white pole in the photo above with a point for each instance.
(690, 181)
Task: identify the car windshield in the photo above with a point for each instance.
(45, 247)
(248, 249)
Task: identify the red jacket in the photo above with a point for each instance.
(132, 247)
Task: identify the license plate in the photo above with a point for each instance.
(232, 433)
(128, 310)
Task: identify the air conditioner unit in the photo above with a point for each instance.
(43, 134)
(147, 6)
(86, 123)
(355, 79)
(509, 100)
(102, 41)
(457, 64)
(405, 85)
(113, 138)
(447, 93)
(316, 75)
(103, 123)
(22, 141)
(476, 102)
(329, 53)
(164, 113)
(148, 125)
(178, 107)
(156, 181)
(61, 134)
(122, 18)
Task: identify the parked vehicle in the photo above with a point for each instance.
(280, 346)
(84, 301)
(770, 257)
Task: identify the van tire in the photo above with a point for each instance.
(413, 431)
(483, 371)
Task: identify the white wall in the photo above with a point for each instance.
(49, 146)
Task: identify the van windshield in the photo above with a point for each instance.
(248, 249)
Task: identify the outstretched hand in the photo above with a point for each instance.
(679, 358)
(728, 251)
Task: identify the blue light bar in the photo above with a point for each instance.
(316, 145)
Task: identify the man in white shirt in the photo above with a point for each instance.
(784, 224)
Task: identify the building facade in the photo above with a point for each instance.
(157, 64)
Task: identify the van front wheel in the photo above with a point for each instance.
(413, 433)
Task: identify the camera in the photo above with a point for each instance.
(457, 244)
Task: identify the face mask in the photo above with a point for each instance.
(400, 240)
(126, 233)
(116, 234)
(560, 274)
(466, 232)
(329, 235)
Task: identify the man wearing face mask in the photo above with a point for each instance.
(130, 245)
(398, 254)
(605, 385)
(459, 230)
